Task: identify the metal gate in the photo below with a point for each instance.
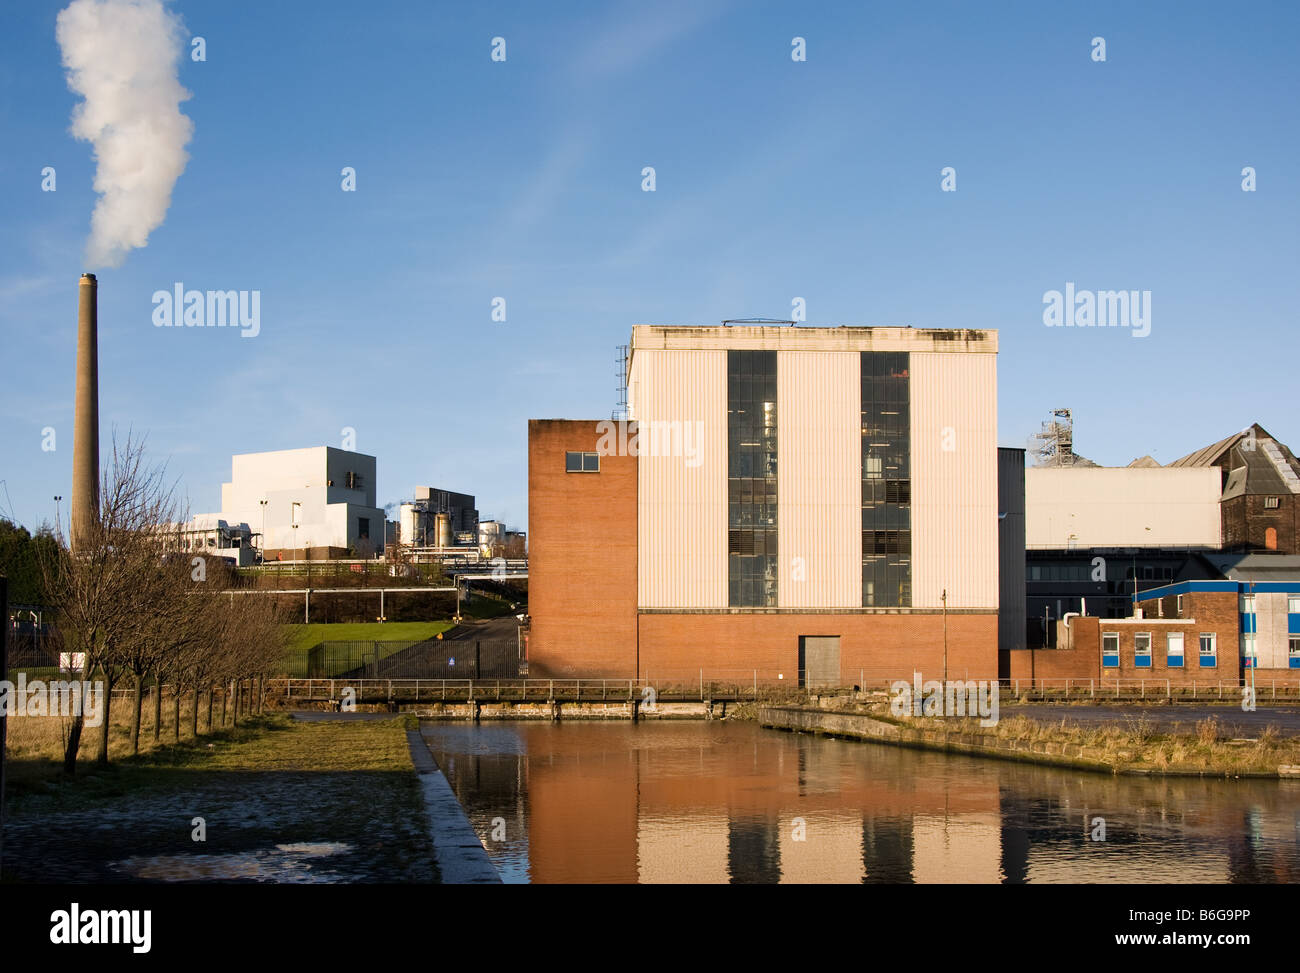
(819, 661)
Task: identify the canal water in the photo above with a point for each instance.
(731, 802)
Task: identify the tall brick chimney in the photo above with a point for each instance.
(85, 428)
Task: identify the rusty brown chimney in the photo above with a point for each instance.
(85, 426)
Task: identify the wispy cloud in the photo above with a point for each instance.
(638, 32)
(544, 190)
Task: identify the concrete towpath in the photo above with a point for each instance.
(460, 855)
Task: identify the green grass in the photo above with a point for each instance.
(304, 637)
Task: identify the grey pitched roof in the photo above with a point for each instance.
(1208, 455)
(1269, 468)
(1265, 567)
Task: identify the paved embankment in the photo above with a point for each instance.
(971, 739)
(458, 851)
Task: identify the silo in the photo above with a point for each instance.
(442, 523)
(489, 536)
(412, 520)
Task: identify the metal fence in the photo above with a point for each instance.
(517, 690)
(1152, 689)
(423, 659)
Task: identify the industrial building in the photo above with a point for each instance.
(1097, 537)
(1241, 629)
(812, 505)
(313, 503)
(1260, 481)
(438, 519)
(209, 535)
(1183, 573)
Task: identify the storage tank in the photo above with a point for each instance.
(413, 523)
(490, 534)
(442, 525)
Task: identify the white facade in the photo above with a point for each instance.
(678, 395)
(681, 500)
(328, 493)
(819, 479)
(954, 480)
(1124, 506)
(210, 536)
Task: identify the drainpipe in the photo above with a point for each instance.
(1069, 638)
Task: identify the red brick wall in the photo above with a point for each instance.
(1077, 656)
(582, 556)
(873, 647)
(1246, 520)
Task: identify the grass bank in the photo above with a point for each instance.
(279, 800)
(304, 637)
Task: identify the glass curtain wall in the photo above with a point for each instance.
(751, 478)
(886, 481)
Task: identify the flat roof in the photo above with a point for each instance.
(800, 338)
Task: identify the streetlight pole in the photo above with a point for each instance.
(262, 543)
(1253, 658)
(945, 639)
(58, 526)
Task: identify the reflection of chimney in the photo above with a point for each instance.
(85, 427)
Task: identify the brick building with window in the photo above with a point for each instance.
(1259, 501)
(1202, 632)
(806, 505)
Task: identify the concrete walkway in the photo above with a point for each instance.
(460, 855)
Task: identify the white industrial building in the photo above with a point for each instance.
(910, 413)
(1080, 507)
(314, 502)
(806, 503)
(211, 536)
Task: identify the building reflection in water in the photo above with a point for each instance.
(694, 802)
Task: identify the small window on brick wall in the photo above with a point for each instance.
(1209, 651)
(1110, 650)
(1174, 650)
(581, 463)
(1142, 650)
(1271, 503)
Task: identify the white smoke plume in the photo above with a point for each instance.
(122, 57)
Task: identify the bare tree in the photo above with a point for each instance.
(175, 623)
(97, 590)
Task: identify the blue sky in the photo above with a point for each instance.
(775, 179)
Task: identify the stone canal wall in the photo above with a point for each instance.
(970, 739)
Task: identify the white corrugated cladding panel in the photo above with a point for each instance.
(681, 411)
(954, 479)
(1123, 506)
(819, 479)
(1272, 636)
